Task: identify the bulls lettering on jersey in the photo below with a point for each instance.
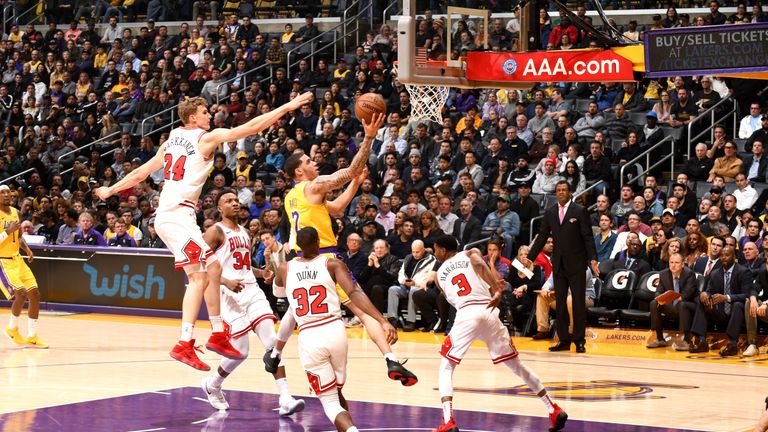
(234, 254)
(460, 283)
(185, 169)
(311, 292)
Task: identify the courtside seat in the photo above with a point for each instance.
(605, 268)
(616, 294)
(642, 295)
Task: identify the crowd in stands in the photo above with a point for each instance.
(486, 172)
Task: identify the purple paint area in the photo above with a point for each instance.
(180, 411)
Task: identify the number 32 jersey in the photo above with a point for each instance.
(185, 169)
(460, 283)
(311, 292)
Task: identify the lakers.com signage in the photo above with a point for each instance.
(572, 66)
(706, 50)
(135, 278)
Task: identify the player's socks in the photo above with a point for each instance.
(447, 411)
(31, 327)
(217, 325)
(548, 402)
(186, 331)
(217, 380)
(282, 388)
(390, 356)
(275, 352)
(13, 321)
(353, 429)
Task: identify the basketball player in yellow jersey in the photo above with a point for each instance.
(305, 205)
(16, 279)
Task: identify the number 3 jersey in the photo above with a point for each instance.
(185, 169)
(311, 292)
(460, 283)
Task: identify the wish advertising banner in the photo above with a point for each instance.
(122, 277)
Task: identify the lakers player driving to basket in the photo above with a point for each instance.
(305, 206)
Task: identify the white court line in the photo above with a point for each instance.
(159, 392)
(148, 430)
(200, 399)
(201, 421)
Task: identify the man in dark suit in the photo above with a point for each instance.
(632, 258)
(723, 301)
(755, 165)
(681, 280)
(467, 227)
(707, 264)
(568, 224)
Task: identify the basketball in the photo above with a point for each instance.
(369, 105)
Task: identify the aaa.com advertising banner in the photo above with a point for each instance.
(573, 66)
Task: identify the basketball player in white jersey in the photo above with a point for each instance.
(186, 159)
(475, 290)
(310, 282)
(244, 307)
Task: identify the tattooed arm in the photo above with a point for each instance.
(318, 187)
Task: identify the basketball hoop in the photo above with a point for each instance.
(427, 100)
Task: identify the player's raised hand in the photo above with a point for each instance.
(103, 193)
(372, 128)
(362, 176)
(390, 332)
(300, 100)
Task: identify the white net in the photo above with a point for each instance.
(427, 101)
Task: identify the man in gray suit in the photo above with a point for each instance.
(680, 279)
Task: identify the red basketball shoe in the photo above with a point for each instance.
(185, 353)
(219, 343)
(447, 427)
(557, 419)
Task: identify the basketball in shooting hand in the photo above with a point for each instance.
(369, 105)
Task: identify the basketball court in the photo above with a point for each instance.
(108, 372)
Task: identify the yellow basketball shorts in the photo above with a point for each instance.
(15, 275)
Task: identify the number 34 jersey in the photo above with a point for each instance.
(311, 292)
(460, 283)
(185, 169)
(234, 254)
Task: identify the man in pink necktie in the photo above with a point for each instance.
(574, 248)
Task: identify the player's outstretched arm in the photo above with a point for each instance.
(490, 276)
(341, 275)
(326, 183)
(134, 177)
(336, 207)
(212, 139)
